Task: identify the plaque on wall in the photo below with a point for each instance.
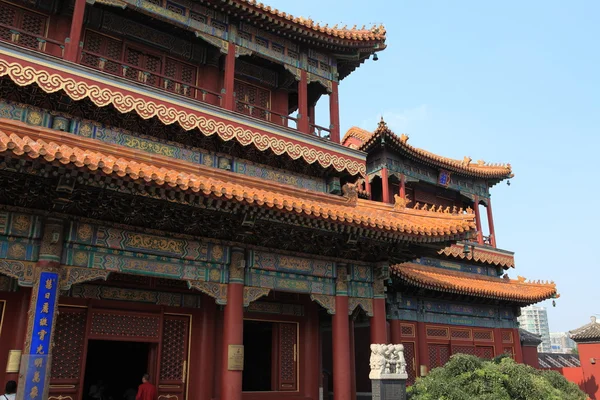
(14, 360)
(235, 357)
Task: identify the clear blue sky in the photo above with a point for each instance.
(503, 81)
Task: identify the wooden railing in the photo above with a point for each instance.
(134, 72)
(320, 131)
(266, 114)
(31, 40)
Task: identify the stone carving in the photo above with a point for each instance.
(401, 202)
(387, 362)
(350, 192)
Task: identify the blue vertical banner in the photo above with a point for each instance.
(37, 362)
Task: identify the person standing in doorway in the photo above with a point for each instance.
(9, 391)
(146, 391)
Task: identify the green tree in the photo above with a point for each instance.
(467, 377)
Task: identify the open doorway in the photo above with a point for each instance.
(258, 346)
(114, 368)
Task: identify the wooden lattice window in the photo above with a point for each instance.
(116, 325)
(510, 351)
(461, 334)
(507, 337)
(248, 95)
(486, 352)
(470, 350)
(439, 354)
(142, 66)
(102, 52)
(183, 77)
(407, 330)
(438, 333)
(22, 26)
(483, 336)
(69, 339)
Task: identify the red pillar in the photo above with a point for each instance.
(233, 334)
(379, 323)
(341, 350)
(395, 332)
(311, 114)
(206, 358)
(478, 221)
(352, 360)
(312, 363)
(20, 327)
(517, 344)
(385, 184)
(422, 344)
(402, 186)
(498, 347)
(303, 124)
(229, 78)
(491, 223)
(334, 113)
(72, 50)
(368, 186)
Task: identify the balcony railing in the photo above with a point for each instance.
(32, 41)
(266, 114)
(134, 72)
(139, 74)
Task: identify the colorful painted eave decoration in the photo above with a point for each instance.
(57, 146)
(479, 169)
(103, 90)
(482, 255)
(432, 278)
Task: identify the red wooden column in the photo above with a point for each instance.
(72, 49)
(205, 368)
(378, 320)
(334, 113)
(498, 347)
(303, 124)
(491, 223)
(395, 331)
(517, 346)
(233, 326)
(402, 186)
(385, 184)
(368, 186)
(229, 78)
(342, 385)
(20, 327)
(352, 360)
(422, 344)
(478, 221)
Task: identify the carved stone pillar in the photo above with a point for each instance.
(388, 372)
(34, 378)
(233, 329)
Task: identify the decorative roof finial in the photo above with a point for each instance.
(593, 319)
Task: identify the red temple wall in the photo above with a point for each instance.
(589, 355)
(530, 356)
(14, 320)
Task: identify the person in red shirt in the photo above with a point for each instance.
(146, 391)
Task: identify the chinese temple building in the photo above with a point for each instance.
(458, 299)
(170, 206)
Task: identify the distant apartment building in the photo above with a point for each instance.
(535, 320)
(562, 343)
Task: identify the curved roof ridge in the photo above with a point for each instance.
(376, 32)
(587, 333)
(464, 166)
(355, 132)
(465, 283)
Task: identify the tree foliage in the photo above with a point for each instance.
(467, 377)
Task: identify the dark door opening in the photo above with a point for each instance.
(114, 368)
(258, 357)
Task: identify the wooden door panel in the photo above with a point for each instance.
(174, 357)
(288, 357)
